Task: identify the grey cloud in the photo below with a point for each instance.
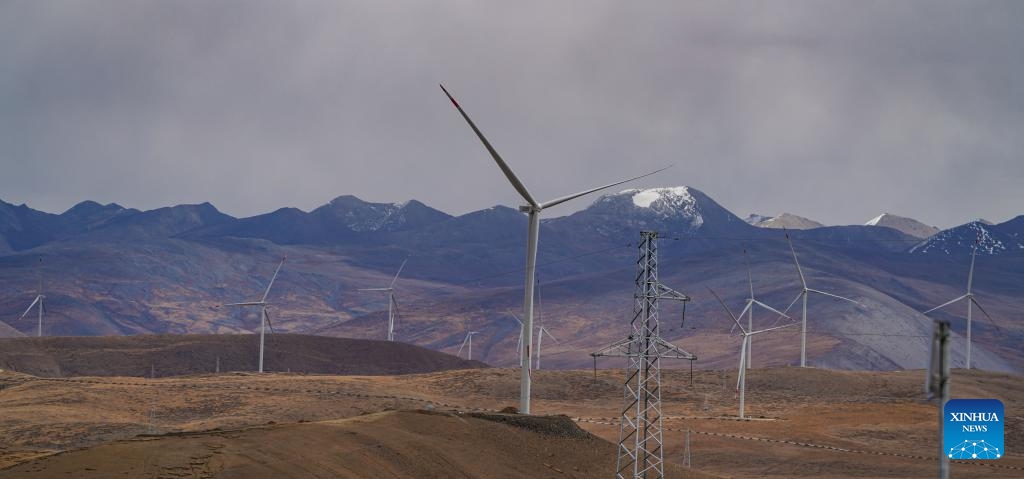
(831, 110)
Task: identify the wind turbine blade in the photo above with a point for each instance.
(750, 276)
(947, 303)
(518, 185)
(545, 331)
(599, 188)
(976, 303)
(769, 308)
(833, 295)
(29, 307)
(394, 302)
(374, 289)
(796, 261)
(251, 303)
(510, 313)
(797, 298)
(266, 316)
(398, 273)
(458, 354)
(742, 313)
(970, 273)
(772, 329)
(727, 310)
(278, 270)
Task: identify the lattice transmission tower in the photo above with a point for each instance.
(640, 450)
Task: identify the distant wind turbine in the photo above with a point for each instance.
(749, 309)
(519, 345)
(541, 331)
(392, 304)
(533, 209)
(803, 294)
(265, 316)
(467, 340)
(741, 376)
(970, 300)
(38, 300)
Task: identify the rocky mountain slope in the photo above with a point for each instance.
(110, 270)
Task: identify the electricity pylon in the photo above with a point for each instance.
(640, 450)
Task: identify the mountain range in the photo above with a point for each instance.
(111, 270)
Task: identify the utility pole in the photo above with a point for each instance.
(641, 441)
(936, 384)
(152, 403)
(687, 457)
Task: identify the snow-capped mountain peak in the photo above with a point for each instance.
(789, 221)
(665, 202)
(905, 225)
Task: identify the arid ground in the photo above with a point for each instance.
(805, 423)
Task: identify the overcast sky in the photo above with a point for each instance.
(837, 111)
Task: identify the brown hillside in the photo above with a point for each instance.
(410, 444)
(176, 355)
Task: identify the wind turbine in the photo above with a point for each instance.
(38, 300)
(541, 331)
(970, 300)
(533, 209)
(741, 376)
(262, 303)
(392, 304)
(749, 308)
(804, 293)
(469, 340)
(519, 345)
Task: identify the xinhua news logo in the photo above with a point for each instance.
(973, 429)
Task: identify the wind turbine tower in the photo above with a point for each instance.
(640, 450)
(533, 209)
(265, 316)
(38, 300)
(970, 300)
(392, 304)
(803, 294)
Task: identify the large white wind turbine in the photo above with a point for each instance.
(749, 309)
(803, 294)
(541, 331)
(741, 376)
(392, 304)
(533, 209)
(469, 340)
(38, 300)
(264, 316)
(970, 300)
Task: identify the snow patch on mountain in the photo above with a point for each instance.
(754, 218)
(667, 202)
(962, 238)
(904, 225)
(788, 221)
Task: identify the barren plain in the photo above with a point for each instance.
(804, 423)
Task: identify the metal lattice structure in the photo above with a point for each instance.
(640, 450)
